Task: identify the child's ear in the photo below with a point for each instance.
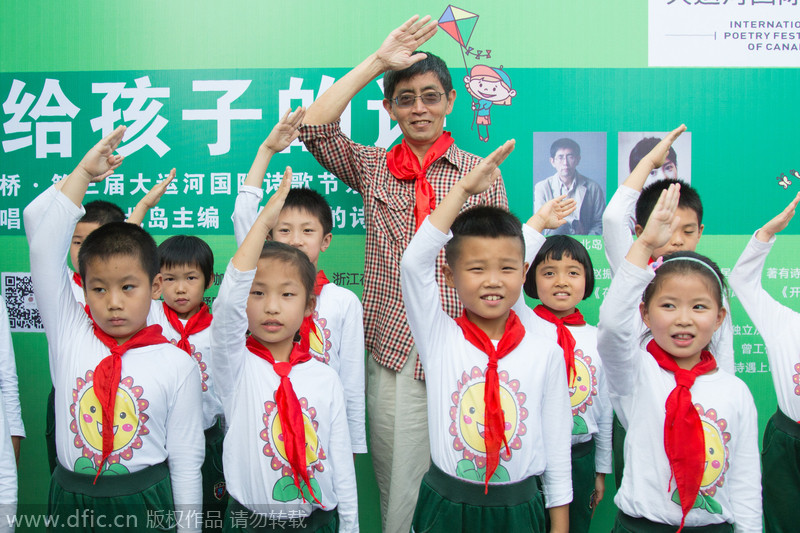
(210, 281)
(700, 231)
(638, 229)
(155, 289)
(326, 241)
(312, 302)
(720, 317)
(644, 314)
(448, 276)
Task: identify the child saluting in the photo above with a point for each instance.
(498, 410)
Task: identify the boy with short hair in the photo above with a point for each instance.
(187, 271)
(122, 416)
(335, 330)
(494, 428)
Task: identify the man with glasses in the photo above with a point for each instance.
(399, 188)
(587, 219)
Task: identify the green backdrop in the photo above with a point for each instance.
(577, 65)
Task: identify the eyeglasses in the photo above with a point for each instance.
(408, 99)
(569, 157)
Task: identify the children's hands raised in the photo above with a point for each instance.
(153, 196)
(396, 51)
(285, 131)
(663, 221)
(658, 155)
(552, 214)
(100, 161)
(269, 215)
(778, 223)
(486, 172)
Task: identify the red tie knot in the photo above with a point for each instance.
(684, 379)
(282, 368)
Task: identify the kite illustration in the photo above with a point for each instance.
(487, 85)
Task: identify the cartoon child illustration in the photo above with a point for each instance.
(488, 86)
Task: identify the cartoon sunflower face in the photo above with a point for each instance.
(582, 387)
(715, 455)
(90, 419)
(312, 441)
(472, 412)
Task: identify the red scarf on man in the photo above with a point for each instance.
(565, 338)
(404, 165)
(196, 323)
(289, 410)
(307, 327)
(108, 373)
(494, 419)
(683, 431)
(77, 279)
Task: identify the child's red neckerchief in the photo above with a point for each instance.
(404, 165)
(289, 410)
(107, 375)
(565, 338)
(494, 420)
(683, 430)
(77, 279)
(196, 323)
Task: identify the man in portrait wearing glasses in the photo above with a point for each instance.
(399, 188)
(587, 219)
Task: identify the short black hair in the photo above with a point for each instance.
(483, 221)
(120, 238)
(102, 212)
(313, 203)
(649, 197)
(187, 250)
(292, 256)
(432, 63)
(644, 147)
(555, 248)
(563, 143)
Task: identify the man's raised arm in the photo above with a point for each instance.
(396, 53)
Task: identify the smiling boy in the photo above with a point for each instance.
(128, 427)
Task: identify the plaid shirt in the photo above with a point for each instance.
(389, 220)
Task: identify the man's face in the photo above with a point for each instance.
(565, 162)
(421, 124)
(668, 171)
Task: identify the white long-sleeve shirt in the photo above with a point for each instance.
(159, 389)
(9, 385)
(254, 463)
(779, 326)
(639, 387)
(531, 381)
(339, 319)
(618, 237)
(8, 474)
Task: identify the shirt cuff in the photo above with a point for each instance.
(310, 132)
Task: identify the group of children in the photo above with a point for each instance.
(520, 399)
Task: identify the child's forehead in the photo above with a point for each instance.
(186, 266)
(118, 265)
(474, 247)
(85, 228)
(687, 215)
(298, 215)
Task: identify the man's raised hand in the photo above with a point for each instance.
(396, 51)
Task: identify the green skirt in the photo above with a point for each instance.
(780, 465)
(240, 519)
(214, 494)
(630, 524)
(448, 504)
(141, 501)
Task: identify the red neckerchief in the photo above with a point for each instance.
(307, 327)
(108, 373)
(196, 323)
(683, 430)
(494, 420)
(404, 165)
(289, 410)
(565, 338)
(77, 279)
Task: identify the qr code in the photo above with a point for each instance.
(23, 315)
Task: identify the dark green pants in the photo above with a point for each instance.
(780, 464)
(618, 448)
(240, 519)
(141, 501)
(629, 524)
(583, 472)
(215, 497)
(50, 429)
(448, 504)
